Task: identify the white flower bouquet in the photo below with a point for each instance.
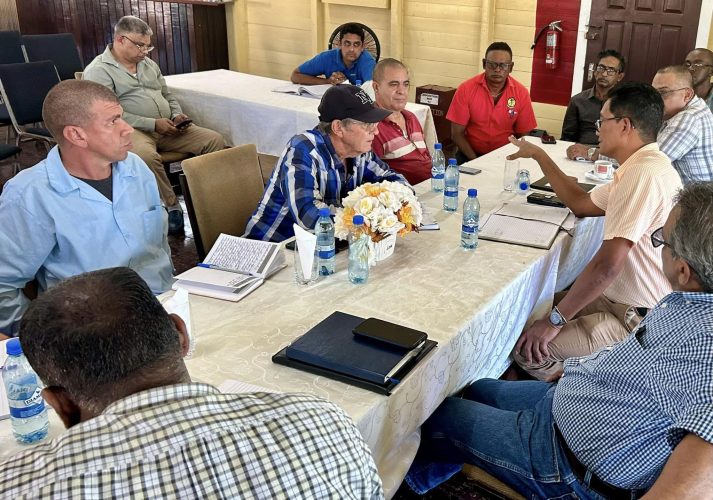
(388, 208)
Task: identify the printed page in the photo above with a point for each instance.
(232, 253)
(216, 277)
(529, 211)
(518, 231)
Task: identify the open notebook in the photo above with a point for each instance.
(524, 224)
(307, 90)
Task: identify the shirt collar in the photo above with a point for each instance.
(108, 58)
(634, 158)
(675, 298)
(159, 395)
(63, 182)
(590, 93)
(508, 82)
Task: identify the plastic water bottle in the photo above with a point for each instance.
(438, 168)
(324, 230)
(28, 414)
(471, 220)
(523, 181)
(357, 83)
(450, 192)
(358, 268)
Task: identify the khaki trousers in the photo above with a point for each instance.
(599, 324)
(194, 140)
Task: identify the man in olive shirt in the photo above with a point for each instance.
(149, 107)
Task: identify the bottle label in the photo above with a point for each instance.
(26, 408)
(326, 254)
(438, 176)
(469, 229)
(451, 193)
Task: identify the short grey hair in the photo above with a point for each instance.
(131, 24)
(692, 237)
(325, 127)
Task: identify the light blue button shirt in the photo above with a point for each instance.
(53, 226)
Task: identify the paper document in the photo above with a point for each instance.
(523, 224)
(238, 387)
(304, 90)
(242, 255)
(528, 211)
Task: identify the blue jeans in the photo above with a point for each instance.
(505, 428)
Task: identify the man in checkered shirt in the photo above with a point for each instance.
(628, 419)
(110, 357)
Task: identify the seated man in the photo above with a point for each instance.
(700, 63)
(628, 418)
(110, 357)
(350, 62)
(322, 165)
(91, 204)
(400, 142)
(149, 107)
(490, 107)
(624, 278)
(583, 110)
(687, 132)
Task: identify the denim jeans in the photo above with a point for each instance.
(505, 428)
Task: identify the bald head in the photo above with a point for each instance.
(675, 85)
(383, 65)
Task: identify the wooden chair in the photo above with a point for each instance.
(221, 191)
(371, 42)
(267, 165)
(490, 483)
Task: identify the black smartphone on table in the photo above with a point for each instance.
(389, 333)
(548, 139)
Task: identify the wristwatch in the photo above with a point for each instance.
(556, 318)
(590, 153)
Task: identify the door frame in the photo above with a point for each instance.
(585, 7)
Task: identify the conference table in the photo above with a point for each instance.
(473, 303)
(245, 110)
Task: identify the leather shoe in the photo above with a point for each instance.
(175, 222)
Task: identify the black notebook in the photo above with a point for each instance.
(331, 349)
(544, 185)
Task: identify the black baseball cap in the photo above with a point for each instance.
(348, 101)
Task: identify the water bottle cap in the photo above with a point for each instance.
(358, 220)
(452, 161)
(13, 347)
(524, 186)
(472, 192)
(324, 212)
(437, 146)
(358, 82)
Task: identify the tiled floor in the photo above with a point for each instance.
(183, 251)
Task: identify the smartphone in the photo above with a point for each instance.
(183, 124)
(389, 333)
(548, 200)
(469, 170)
(548, 139)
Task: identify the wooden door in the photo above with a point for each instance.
(650, 34)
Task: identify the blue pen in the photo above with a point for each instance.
(211, 266)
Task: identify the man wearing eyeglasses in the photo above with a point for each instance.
(700, 63)
(624, 278)
(159, 124)
(583, 110)
(687, 132)
(321, 166)
(490, 107)
(347, 63)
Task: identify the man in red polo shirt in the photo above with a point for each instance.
(400, 143)
(490, 107)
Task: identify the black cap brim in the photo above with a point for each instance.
(373, 115)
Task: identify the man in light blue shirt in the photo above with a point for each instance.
(90, 205)
(349, 63)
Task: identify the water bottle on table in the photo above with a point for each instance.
(438, 168)
(28, 415)
(358, 268)
(450, 192)
(523, 181)
(471, 220)
(324, 231)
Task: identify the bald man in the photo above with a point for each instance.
(700, 63)
(686, 135)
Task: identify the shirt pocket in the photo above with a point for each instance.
(154, 221)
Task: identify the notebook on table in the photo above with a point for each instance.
(331, 349)
(544, 185)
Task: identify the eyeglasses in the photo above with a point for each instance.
(606, 69)
(141, 46)
(599, 122)
(697, 66)
(666, 93)
(495, 65)
(657, 239)
(369, 127)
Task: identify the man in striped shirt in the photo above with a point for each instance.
(111, 359)
(321, 166)
(628, 419)
(624, 278)
(400, 141)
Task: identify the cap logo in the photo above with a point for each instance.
(363, 97)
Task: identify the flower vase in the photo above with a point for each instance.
(382, 249)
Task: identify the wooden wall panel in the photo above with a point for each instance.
(182, 44)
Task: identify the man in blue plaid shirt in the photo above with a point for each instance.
(321, 166)
(636, 417)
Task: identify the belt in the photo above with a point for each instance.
(603, 488)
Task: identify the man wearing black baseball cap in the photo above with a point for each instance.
(322, 165)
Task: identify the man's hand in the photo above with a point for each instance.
(164, 126)
(533, 342)
(525, 149)
(577, 151)
(336, 78)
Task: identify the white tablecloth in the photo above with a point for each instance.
(245, 110)
(474, 303)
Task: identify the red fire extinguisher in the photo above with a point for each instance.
(551, 44)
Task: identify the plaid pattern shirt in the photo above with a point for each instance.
(191, 441)
(623, 409)
(308, 176)
(687, 139)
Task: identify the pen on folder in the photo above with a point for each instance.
(407, 357)
(211, 266)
